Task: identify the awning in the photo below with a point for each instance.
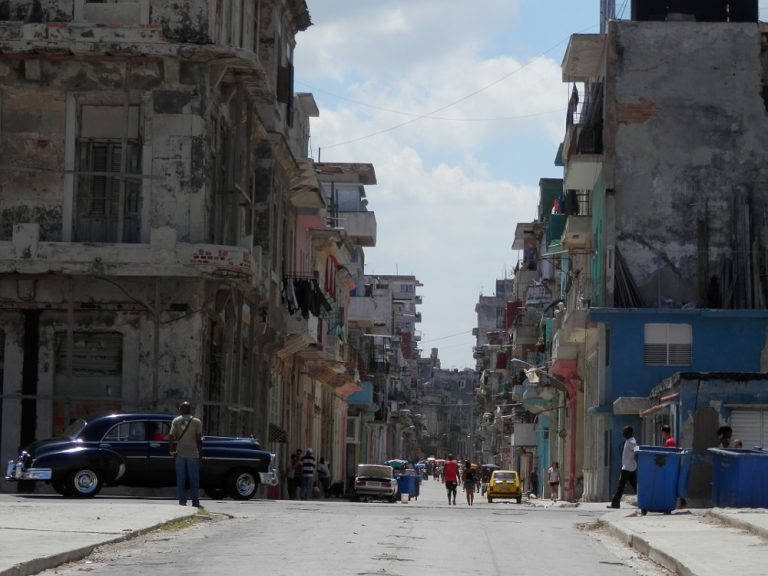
(654, 409)
(630, 405)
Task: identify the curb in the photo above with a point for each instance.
(644, 547)
(733, 522)
(39, 564)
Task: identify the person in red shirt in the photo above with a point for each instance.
(669, 442)
(666, 437)
(451, 474)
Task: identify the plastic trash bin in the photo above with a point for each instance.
(739, 478)
(408, 484)
(415, 484)
(661, 473)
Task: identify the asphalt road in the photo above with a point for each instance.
(425, 537)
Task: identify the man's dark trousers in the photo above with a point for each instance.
(627, 476)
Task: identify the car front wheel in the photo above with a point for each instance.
(61, 487)
(215, 493)
(242, 484)
(84, 483)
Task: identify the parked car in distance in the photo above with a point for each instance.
(131, 449)
(375, 482)
(504, 484)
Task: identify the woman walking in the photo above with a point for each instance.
(554, 480)
(470, 480)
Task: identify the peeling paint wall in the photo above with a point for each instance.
(691, 177)
(208, 181)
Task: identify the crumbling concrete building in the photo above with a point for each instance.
(153, 159)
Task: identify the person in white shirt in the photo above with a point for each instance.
(553, 475)
(628, 467)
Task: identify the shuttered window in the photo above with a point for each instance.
(751, 427)
(668, 344)
(108, 199)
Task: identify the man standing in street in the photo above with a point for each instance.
(451, 475)
(307, 475)
(185, 443)
(628, 467)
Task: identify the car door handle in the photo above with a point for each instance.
(155, 445)
(105, 445)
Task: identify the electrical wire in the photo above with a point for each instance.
(455, 102)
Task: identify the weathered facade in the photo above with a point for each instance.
(666, 142)
(155, 187)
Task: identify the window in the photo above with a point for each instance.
(127, 432)
(668, 344)
(108, 196)
(353, 430)
(96, 364)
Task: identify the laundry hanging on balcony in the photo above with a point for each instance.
(304, 295)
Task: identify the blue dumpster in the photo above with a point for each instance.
(739, 478)
(409, 482)
(662, 476)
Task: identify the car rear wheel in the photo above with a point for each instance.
(490, 500)
(519, 499)
(84, 483)
(242, 484)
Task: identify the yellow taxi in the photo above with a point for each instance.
(504, 484)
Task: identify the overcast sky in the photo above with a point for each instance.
(460, 107)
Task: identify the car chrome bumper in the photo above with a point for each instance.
(269, 478)
(15, 471)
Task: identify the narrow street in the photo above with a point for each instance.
(425, 537)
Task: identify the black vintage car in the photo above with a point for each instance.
(132, 450)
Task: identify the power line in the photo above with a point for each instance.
(449, 336)
(455, 102)
(314, 89)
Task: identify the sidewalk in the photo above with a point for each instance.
(690, 542)
(66, 530)
(700, 542)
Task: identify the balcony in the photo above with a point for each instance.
(360, 226)
(577, 234)
(525, 334)
(163, 257)
(125, 13)
(361, 311)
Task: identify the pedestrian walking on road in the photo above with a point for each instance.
(307, 474)
(533, 478)
(451, 475)
(324, 475)
(553, 474)
(628, 467)
(290, 476)
(297, 474)
(470, 481)
(185, 443)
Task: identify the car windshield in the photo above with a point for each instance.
(374, 470)
(74, 429)
(504, 476)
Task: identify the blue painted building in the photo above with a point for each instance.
(640, 348)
